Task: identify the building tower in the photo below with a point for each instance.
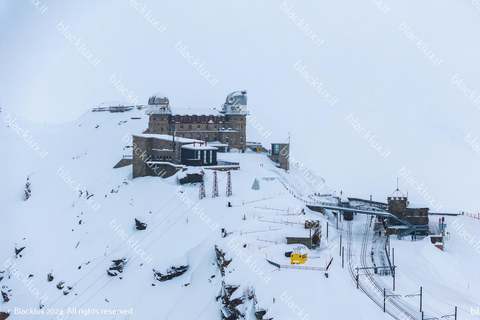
(160, 113)
(229, 184)
(235, 111)
(215, 185)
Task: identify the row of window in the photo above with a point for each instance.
(189, 126)
(206, 137)
(206, 155)
(196, 119)
(160, 158)
(412, 213)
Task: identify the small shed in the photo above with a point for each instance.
(299, 255)
(199, 154)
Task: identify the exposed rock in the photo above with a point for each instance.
(173, 272)
(222, 262)
(117, 265)
(140, 225)
(5, 297)
(17, 251)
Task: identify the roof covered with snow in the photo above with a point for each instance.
(165, 137)
(198, 146)
(417, 206)
(218, 144)
(195, 112)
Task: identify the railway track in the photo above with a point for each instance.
(375, 293)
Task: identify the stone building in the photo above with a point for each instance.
(401, 208)
(280, 155)
(227, 125)
(157, 154)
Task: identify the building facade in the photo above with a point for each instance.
(401, 208)
(157, 154)
(280, 155)
(227, 125)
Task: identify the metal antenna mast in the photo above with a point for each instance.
(229, 184)
(215, 185)
(201, 194)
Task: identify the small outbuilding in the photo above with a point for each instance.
(199, 154)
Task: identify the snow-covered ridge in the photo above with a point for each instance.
(81, 213)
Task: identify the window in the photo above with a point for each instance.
(199, 136)
(161, 129)
(211, 156)
(206, 137)
(198, 126)
(190, 126)
(198, 119)
(181, 126)
(205, 156)
(241, 138)
(189, 119)
(420, 213)
(412, 213)
(276, 149)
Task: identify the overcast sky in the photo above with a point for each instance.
(397, 67)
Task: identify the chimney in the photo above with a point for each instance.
(194, 143)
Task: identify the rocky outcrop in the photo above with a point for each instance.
(222, 262)
(171, 273)
(234, 303)
(117, 267)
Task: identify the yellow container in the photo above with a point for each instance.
(297, 258)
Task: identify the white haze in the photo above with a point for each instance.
(372, 68)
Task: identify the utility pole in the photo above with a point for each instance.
(451, 315)
(327, 231)
(393, 267)
(421, 298)
(385, 295)
(343, 256)
(340, 244)
(417, 294)
(384, 299)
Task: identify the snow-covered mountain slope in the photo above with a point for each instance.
(75, 238)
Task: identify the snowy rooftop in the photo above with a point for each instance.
(198, 146)
(195, 111)
(166, 137)
(218, 144)
(416, 206)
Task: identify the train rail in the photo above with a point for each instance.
(375, 292)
